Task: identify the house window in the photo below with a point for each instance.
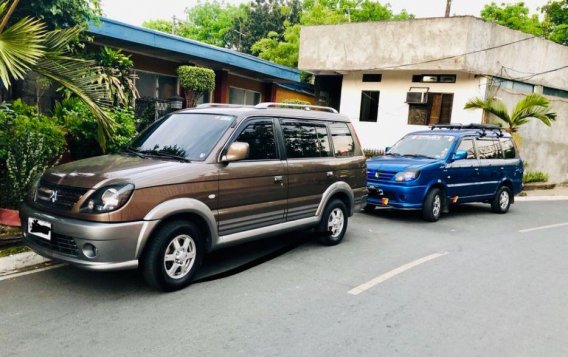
(369, 106)
(243, 96)
(372, 77)
(434, 78)
(555, 92)
(514, 85)
(438, 110)
(156, 85)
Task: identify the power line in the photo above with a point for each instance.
(539, 73)
(462, 54)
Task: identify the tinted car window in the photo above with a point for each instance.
(305, 139)
(488, 148)
(260, 137)
(508, 148)
(343, 143)
(467, 146)
(187, 135)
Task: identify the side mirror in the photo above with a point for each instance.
(460, 155)
(236, 151)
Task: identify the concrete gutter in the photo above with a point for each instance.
(16, 263)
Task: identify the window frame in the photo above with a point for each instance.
(315, 123)
(157, 81)
(494, 139)
(351, 133)
(376, 119)
(245, 96)
(428, 108)
(473, 141)
(242, 126)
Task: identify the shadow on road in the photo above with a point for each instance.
(415, 216)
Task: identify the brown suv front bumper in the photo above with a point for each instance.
(116, 245)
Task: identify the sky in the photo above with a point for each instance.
(137, 11)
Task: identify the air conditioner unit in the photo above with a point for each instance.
(417, 97)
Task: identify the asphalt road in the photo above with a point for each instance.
(487, 287)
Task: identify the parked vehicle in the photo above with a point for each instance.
(197, 180)
(447, 165)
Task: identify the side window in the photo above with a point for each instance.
(260, 137)
(305, 139)
(343, 143)
(508, 148)
(467, 146)
(488, 148)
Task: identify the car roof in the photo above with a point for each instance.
(282, 110)
(469, 130)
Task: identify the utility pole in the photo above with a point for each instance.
(448, 7)
(174, 20)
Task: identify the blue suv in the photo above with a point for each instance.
(448, 164)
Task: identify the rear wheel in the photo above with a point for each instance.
(432, 206)
(173, 256)
(502, 200)
(334, 223)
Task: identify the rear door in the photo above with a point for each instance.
(511, 166)
(252, 192)
(490, 159)
(310, 165)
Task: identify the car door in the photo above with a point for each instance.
(463, 175)
(252, 192)
(511, 166)
(310, 165)
(490, 158)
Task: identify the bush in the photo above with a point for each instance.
(373, 152)
(195, 81)
(29, 144)
(296, 101)
(534, 176)
(81, 128)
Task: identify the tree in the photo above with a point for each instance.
(159, 25)
(195, 81)
(284, 49)
(515, 16)
(117, 76)
(556, 21)
(532, 106)
(27, 46)
(56, 14)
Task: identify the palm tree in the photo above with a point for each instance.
(27, 46)
(532, 106)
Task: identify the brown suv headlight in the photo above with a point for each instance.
(108, 198)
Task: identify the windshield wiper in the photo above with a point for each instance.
(418, 156)
(132, 151)
(156, 153)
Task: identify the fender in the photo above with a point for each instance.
(337, 187)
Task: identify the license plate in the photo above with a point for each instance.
(39, 228)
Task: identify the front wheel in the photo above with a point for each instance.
(502, 200)
(173, 255)
(432, 207)
(334, 223)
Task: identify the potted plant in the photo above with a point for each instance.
(195, 81)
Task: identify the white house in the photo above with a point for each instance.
(394, 77)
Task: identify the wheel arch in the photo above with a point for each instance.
(338, 190)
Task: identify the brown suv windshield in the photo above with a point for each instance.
(183, 136)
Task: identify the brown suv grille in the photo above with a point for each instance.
(59, 243)
(59, 197)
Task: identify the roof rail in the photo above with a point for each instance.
(295, 106)
(458, 126)
(222, 105)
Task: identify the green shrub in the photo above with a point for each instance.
(29, 144)
(534, 176)
(373, 152)
(195, 81)
(296, 101)
(81, 128)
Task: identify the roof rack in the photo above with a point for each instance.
(459, 126)
(222, 105)
(295, 106)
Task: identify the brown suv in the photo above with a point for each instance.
(197, 180)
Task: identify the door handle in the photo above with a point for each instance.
(329, 174)
(278, 179)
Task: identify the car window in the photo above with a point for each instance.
(508, 148)
(430, 146)
(343, 143)
(467, 146)
(305, 139)
(260, 137)
(488, 148)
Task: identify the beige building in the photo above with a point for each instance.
(394, 77)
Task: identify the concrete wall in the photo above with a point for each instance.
(393, 111)
(432, 44)
(544, 148)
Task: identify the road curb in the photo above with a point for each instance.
(17, 262)
(540, 198)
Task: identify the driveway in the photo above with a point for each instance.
(473, 284)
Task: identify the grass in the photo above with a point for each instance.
(13, 250)
(535, 176)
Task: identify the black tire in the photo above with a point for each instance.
(369, 208)
(433, 205)
(502, 200)
(154, 265)
(331, 233)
